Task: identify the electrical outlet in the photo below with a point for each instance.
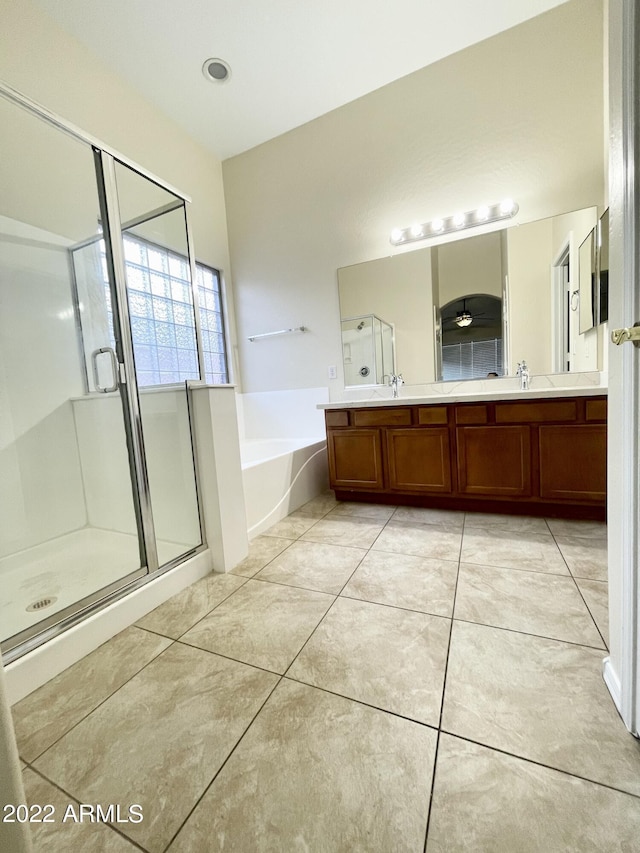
(333, 372)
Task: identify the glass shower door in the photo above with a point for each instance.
(69, 508)
(163, 322)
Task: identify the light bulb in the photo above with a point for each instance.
(416, 230)
(437, 225)
(506, 206)
(396, 235)
(459, 220)
(482, 213)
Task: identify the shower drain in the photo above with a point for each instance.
(42, 603)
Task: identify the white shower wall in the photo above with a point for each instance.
(63, 455)
(40, 470)
(168, 451)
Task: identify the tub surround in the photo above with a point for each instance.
(280, 476)
(540, 452)
(282, 446)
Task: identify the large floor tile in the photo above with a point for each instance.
(47, 713)
(264, 624)
(498, 547)
(538, 699)
(515, 524)
(183, 610)
(354, 531)
(66, 832)
(586, 558)
(420, 540)
(533, 602)
(319, 506)
(447, 519)
(401, 580)
(262, 550)
(160, 739)
(317, 772)
(352, 509)
(582, 529)
(291, 527)
(383, 656)
(487, 802)
(596, 594)
(312, 565)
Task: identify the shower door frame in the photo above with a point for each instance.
(105, 159)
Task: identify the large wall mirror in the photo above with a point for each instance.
(476, 306)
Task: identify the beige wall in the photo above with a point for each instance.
(40, 60)
(519, 115)
(468, 267)
(529, 254)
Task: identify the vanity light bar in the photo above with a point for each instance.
(457, 222)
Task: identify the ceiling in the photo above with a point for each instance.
(291, 60)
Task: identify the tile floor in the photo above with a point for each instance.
(369, 679)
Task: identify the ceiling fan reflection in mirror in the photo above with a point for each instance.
(462, 314)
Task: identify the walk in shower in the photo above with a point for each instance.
(99, 336)
(368, 350)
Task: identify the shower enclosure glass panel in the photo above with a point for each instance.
(161, 307)
(367, 349)
(68, 503)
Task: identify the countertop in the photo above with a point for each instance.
(458, 396)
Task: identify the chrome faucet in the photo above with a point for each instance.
(523, 373)
(395, 381)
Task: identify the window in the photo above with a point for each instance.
(162, 315)
(212, 325)
(472, 359)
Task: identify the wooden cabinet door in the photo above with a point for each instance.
(573, 462)
(355, 459)
(418, 459)
(494, 460)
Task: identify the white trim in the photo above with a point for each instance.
(613, 682)
(630, 421)
(558, 306)
(624, 375)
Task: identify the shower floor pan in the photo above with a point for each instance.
(41, 581)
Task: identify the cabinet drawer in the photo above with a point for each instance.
(596, 410)
(432, 415)
(471, 414)
(336, 419)
(392, 416)
(535, 413)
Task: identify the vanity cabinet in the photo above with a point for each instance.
(494, 460)
(355, 459)
(536, 456)
(418, 460)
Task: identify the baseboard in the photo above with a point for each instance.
(613, 683)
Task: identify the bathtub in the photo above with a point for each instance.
(279, 475)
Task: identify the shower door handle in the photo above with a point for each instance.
(114, 368)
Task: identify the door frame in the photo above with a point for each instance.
(621, 667)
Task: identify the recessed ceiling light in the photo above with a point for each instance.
(216, 70)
